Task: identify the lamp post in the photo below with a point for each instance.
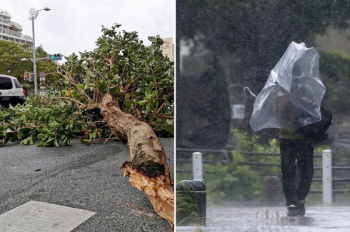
(33, 15)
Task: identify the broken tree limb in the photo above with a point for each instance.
(147, 169)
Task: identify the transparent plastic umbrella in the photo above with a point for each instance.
(293, 93)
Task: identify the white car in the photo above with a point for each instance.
(11, 91)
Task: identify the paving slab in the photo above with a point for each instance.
(270, 219)
(35, 216)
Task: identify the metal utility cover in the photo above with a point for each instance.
(35, 216)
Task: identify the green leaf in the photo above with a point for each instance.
(86, 141)
(24, 141)
(53, 125)
(133, 58)
(128, 103)
(154, 93)
(56, 142)
(103, 87)
(95, 133)
(68, 142)
(31, 140)
(142, 102)
(41, 144)
(41, 136)
(76, 128)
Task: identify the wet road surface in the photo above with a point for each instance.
(274, 219)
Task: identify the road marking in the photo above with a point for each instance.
(35, 216)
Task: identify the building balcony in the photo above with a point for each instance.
(6, 21)
(14, 35)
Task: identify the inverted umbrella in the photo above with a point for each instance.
(293, 93)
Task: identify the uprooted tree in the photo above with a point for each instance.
(121, 89)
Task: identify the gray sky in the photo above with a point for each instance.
(74, 25)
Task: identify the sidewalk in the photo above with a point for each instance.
(274, 219)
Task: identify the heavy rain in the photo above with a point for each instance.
(232, 175)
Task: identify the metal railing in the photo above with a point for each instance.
(5, 21)
(16, 34)
(328, 170)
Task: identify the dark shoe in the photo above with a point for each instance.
(293, 210)
(301, 207)
(296, 210)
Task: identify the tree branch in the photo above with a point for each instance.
(161, 107)
(165, 116)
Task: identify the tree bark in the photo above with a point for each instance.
(147, 169)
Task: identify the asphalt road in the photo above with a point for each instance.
(83, 177)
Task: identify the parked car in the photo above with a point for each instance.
(11, 91)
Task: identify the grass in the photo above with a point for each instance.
(186, 207)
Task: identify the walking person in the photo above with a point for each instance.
(296, 151)
(290, 101)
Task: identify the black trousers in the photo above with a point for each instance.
(296, 154)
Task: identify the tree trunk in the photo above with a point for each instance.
(148, 169)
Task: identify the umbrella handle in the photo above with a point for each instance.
(251, 93)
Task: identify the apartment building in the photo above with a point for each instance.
(12, 31)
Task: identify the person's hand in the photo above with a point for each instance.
(315, 103)
(306, 100)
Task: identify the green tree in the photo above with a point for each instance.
(141, 77)
(10, 59)
(10, 55)
(335, 71)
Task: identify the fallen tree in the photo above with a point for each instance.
(148, 169)
(121, 89)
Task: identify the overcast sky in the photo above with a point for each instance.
(74, 25)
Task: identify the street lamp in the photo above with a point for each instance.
(33, 15)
